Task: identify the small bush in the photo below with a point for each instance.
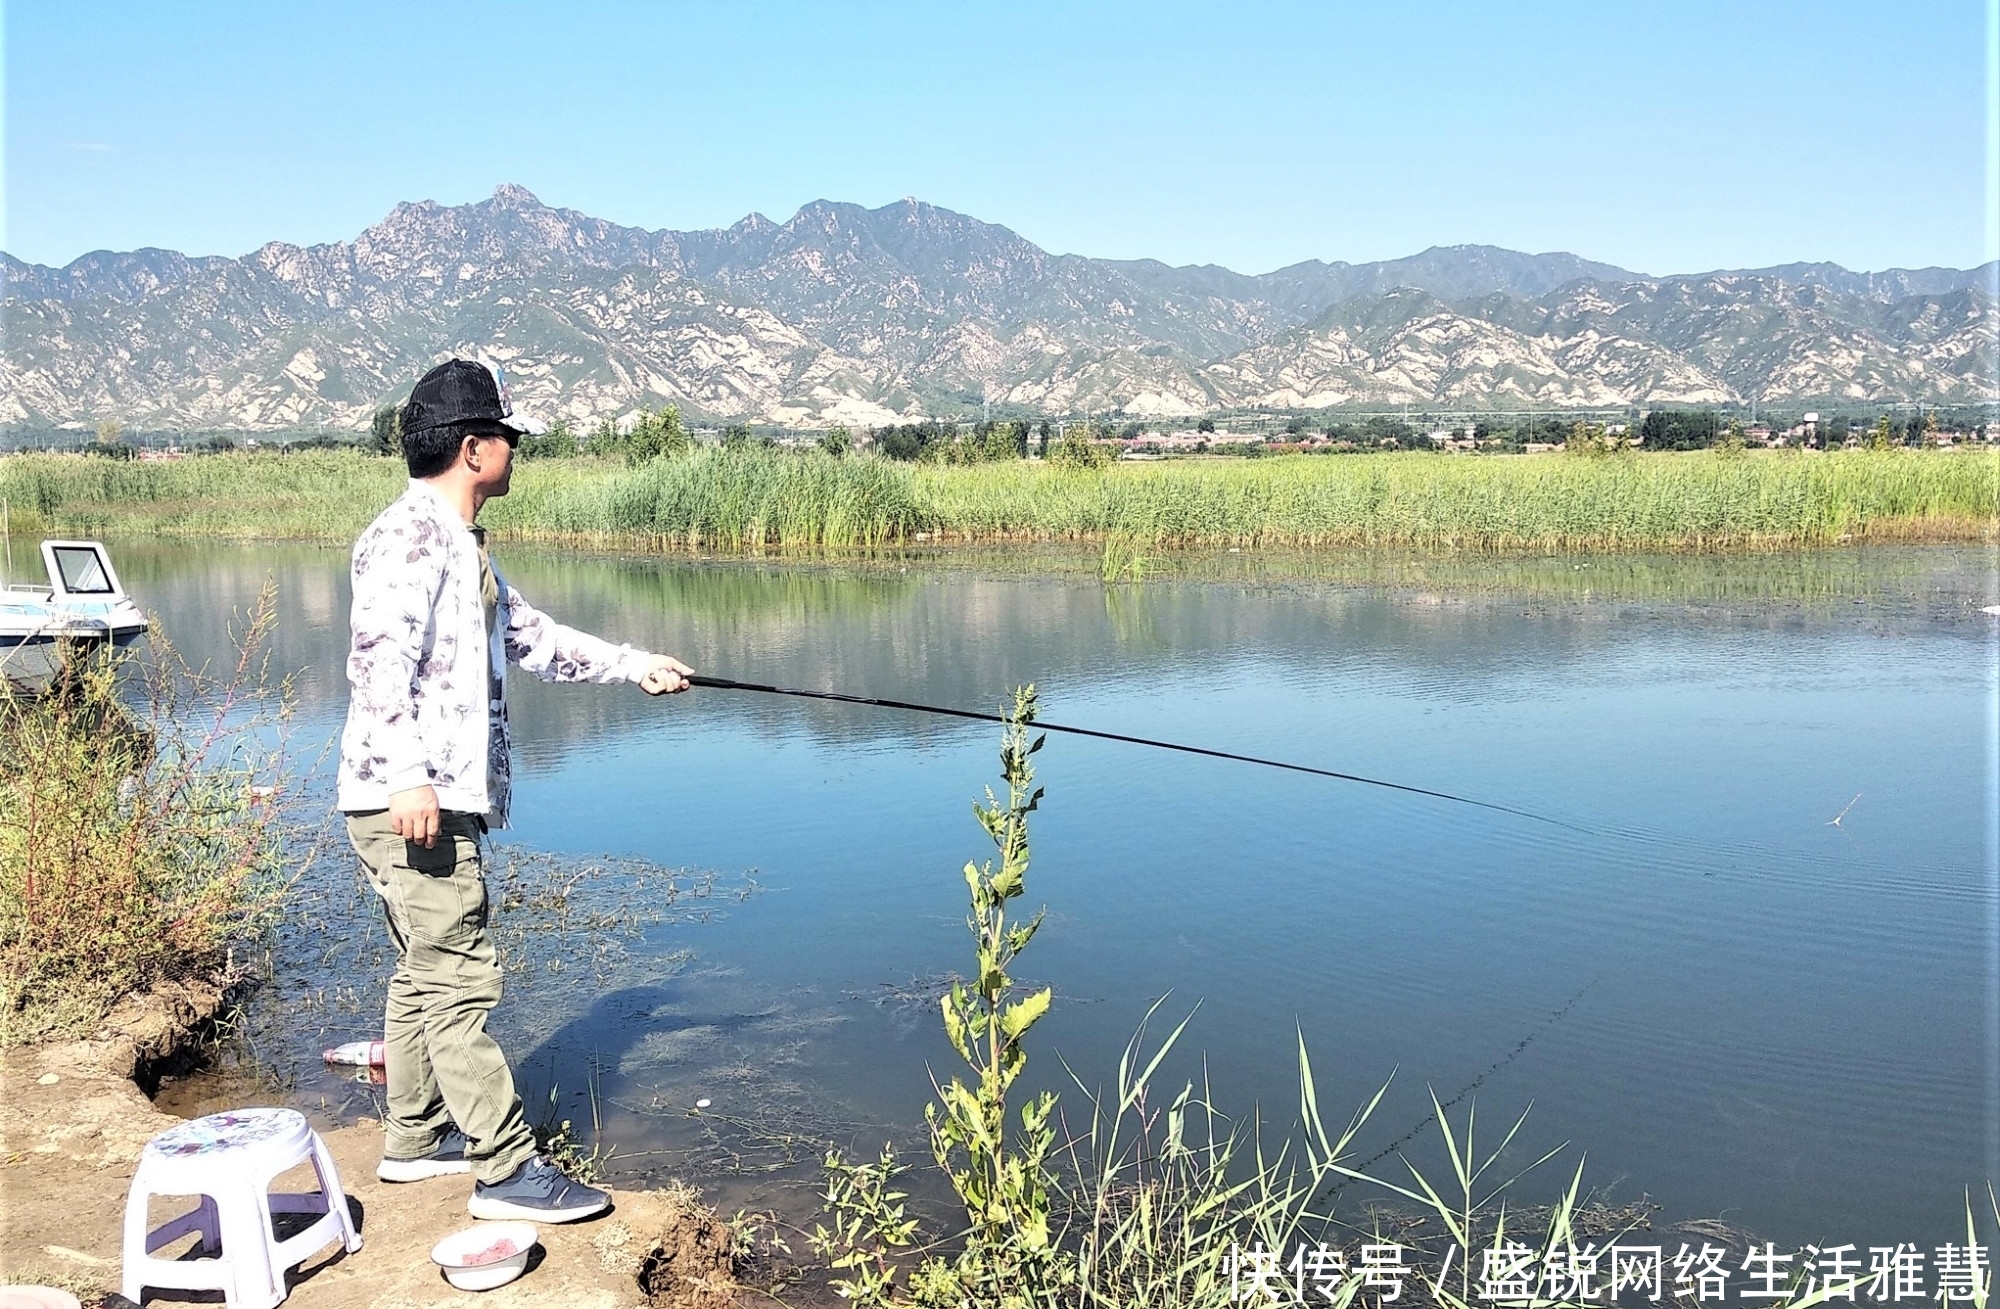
(559, 442)
(1076, 450)
(655, 434)
(137, 845)
(1588, 440)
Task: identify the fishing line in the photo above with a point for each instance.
(1396, 1146)
(728, 684)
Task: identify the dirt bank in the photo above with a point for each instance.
(73, 1121)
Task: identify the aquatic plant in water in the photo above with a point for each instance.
(1007, 1254)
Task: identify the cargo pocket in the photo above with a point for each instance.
(445, 892)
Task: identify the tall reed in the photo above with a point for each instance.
(748, 500)
(1695, 500)
(721, 499)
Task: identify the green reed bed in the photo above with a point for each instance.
(314, 496)
(1680, 500)
(750, 500)
(733, 500)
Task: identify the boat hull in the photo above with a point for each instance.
(29, 662)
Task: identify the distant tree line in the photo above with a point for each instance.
(1379, 432)
(653, 434)
(1677, 429)
(984, 442)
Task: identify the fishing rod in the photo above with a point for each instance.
(729, 684)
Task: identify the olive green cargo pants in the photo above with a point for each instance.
(442, 1066)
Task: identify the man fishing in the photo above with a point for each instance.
(424, 773)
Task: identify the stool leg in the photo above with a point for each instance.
(336, 1199)
(134, 1254)
(210, 1223)
(252, 1283)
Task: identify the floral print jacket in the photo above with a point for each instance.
(424, 672)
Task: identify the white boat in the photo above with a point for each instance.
(82, 607)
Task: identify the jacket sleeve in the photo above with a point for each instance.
(396, 581)
(555, 653)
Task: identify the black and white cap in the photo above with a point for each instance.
(465, 393)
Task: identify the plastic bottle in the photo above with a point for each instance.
(359, 1054)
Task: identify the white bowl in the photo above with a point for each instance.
(485, 1255)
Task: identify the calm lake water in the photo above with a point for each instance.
(1732, 1006)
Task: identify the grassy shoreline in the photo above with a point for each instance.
(754, 501)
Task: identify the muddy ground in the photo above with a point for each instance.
(73, 1120)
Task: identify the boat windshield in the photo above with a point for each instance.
(82, 570)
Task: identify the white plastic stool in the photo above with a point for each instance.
(230, 1161)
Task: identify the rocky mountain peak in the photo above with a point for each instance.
(511, 195)
(861, 316)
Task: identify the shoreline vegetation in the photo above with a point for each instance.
(754, 501)
(143, 830)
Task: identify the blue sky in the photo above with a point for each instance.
(1665, 137)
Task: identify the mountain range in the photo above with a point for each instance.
(863, 316)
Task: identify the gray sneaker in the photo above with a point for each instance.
(447, 1157)
(537, 1192)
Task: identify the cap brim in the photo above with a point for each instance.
(525, 425)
